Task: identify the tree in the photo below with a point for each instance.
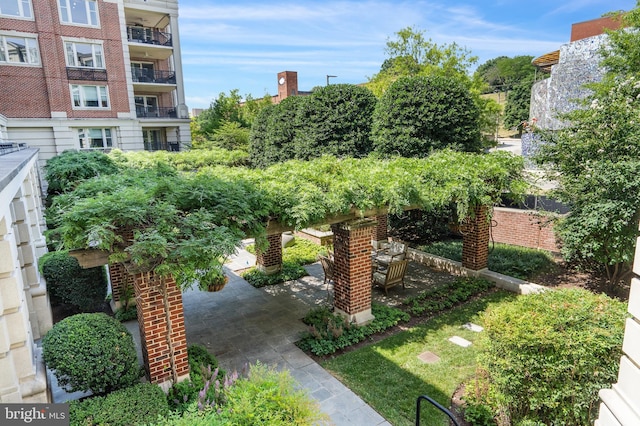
(516, 111)
(596, 161)
(410, 54)
(335, 120)
(273, 132)
(503, 73)
(417, 115)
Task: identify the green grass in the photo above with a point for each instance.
(518, 262)
(389, 376)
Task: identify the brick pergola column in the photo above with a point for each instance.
(475, 242)
(121, 284)
(152, 320)
(352, 271)
(380, 234)
(270, 260)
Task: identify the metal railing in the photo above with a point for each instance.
(86, 74)
(156, 112)
(9, 147)
(154, 76)
(435, 404)
(148, 35)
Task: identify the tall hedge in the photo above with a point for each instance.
(547, 355)
(417, 115)
(68, 282)
(335, 120)
(91, 352)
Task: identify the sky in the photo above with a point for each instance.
(242, 45)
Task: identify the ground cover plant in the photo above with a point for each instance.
(547, 355)
(433, 301)
(330, 332)
(518, 262)
(389, 376)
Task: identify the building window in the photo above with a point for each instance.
(146, 106)
(82, 12)
(89, 96)
(154, 140)
(19, 50)
(84, 54)
(95, 138)
(16, 8)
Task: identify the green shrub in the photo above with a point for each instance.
(420, 114)
(329, 332)
(139, 404)
(302, 252)
(68, 282)
(547, 355)
(266, 397)
(126, 313)
(91, 352)
(446, 296)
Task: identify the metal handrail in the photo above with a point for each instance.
(154, 76)
(93, 74)
(156, 112)
(148, 35)
(438, 406)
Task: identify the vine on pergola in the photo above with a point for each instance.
(187, 223)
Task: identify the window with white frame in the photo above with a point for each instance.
(84, 54)
(16, 8)
(89, 96)
(81, 12)
(19, 49)
(95, 138)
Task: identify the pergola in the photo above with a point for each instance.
(372, 188)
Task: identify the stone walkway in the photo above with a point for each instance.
(242, 324)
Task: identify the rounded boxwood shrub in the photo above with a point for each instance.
(547, 355)
(139, 404)
(68, 282)
(418, 115)
(91, 352)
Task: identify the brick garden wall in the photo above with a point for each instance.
(526, 228)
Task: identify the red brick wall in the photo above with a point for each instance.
(34, 92)
(593, 27)
(120, 281)
(352, 273)
(272, 256)
(153, 327)
(524, 228)
(380, 231)
(475, 240)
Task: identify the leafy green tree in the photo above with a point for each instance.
(335, 120)
(418, 115)
(516, 111)
(411, 54)
(273, 132)
(504, 73)
(596, 161)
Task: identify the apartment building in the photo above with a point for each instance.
(92, 74)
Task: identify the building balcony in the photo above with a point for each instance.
(156, 112)
(154, 76)
(148, 35)
(93, 74)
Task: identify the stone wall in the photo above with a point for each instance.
(578, 65)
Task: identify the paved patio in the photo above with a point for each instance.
(242, 324)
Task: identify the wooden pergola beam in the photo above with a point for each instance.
(90, 258)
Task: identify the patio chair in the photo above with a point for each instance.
(327, 268)
(391, 252)
(392, 276)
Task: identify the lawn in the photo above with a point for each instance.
(389, 376)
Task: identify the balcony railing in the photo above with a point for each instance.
(7, 147)
(154, 76)
(86, 74)
(149, 35)
(156, 112)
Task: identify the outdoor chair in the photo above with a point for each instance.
(327, 268)
(391, 252)
(392, 276)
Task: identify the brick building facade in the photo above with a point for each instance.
(92, 74)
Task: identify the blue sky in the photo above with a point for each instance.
(244, 44)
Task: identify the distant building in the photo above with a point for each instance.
(92, 74)
(575, 64)
(288, 86)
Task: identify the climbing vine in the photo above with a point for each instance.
(187, 223)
